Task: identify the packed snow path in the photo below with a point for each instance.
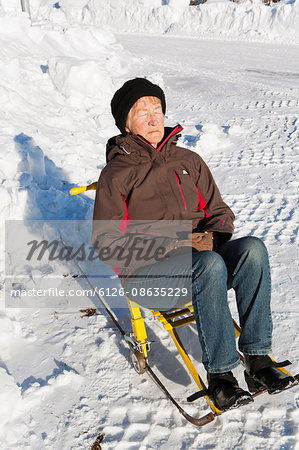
(68, 377)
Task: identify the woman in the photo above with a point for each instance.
(148, 193)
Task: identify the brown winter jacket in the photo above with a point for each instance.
(142, 183)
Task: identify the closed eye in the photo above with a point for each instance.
(157, 112)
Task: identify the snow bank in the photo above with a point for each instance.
(81, 81)
(74, 68)
(216, 19)
(56, 83)
(44, 71)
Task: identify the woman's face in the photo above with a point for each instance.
(146, 118)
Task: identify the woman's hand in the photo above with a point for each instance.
(202, 241)
(198, 241)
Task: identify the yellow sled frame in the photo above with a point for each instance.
(171, 320)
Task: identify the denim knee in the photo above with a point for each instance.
(255, 244)
(255, 249)
(209, 265)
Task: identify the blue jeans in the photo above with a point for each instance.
(240, 264)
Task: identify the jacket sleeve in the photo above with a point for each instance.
(219, 217)
(115, 238)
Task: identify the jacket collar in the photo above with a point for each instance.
(127, 144)
(168, 133)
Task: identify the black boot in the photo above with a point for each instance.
(226, 392)
(263, 373)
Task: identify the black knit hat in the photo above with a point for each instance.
(128, 94)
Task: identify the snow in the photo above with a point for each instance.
(216, 19)
(230, 74)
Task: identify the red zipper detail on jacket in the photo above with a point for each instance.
(175, 131)
(180, 188)
(123, 227)
(126, 219)
(201, 203)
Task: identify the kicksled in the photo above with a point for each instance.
(171, 321)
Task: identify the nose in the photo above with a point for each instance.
(153, 120)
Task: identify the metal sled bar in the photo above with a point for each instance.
(173, 313)
(166, 318)
(138, 327)
(190, 366)
(184, 316)
(170, 324)
(237, 329)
